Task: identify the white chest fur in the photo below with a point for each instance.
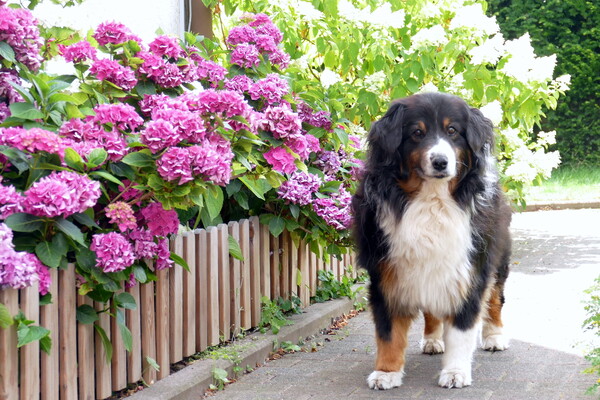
(429, 252)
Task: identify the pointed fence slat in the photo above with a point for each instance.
(176, 316)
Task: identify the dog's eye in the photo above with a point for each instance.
(452, 131)
(418, 133)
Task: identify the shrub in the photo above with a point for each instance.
(568, 29)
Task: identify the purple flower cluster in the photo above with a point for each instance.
(160, 222)
(114, 251)
(18, 28)
(113, 33)
(61, 194)
(319, 119)
(33, 140)
(11, 201)
(258, 38)
(6, 90)
(19, 269)
(299, 188)
(272, 89)
(112, 71)
(78, 52)
(335, 210)
(329, 162)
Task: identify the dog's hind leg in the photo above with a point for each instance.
(389, 366)
(433, 335)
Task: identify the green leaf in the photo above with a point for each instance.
(85, 220)
(105, 175)
(7, 52)
(105, 342)
(46, 343)
(257, 186)
(139, 159)
(48, 254)
(125, 300)
(71, 230)
(152, 363)
(178, 260)
(21, 222)
(234, 248)
(86, 259)
(140, 274)
(276, 225)
(16, 158)
(6, 319)
(86, 314)
(213, 200)
(96, 157)
(125, 332)
(30, 333)
(74, 160)
(25, 111)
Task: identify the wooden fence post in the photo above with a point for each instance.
(246, 289)
(256, 268)
(67, 301)
(50, 388)
(190, 292)
(202, 287)
(236, 284)
(9, 367)
(86, 355)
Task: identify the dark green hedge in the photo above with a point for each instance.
(571, 30)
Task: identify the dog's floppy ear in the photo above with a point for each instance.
(480, 133)
(387, 132)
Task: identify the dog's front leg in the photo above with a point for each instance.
(389, 366)
(456, 362)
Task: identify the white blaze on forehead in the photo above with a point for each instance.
(441, 148)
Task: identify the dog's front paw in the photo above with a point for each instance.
(454, 378)
(432, 346)
(495, 343)
(380, 380)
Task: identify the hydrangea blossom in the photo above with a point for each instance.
(61, 194)
(160, 222)
(163, 254)
(282, 122)
(144, 245)
(174, 165)
(112, 33)
(123, 116)
(245, 55)
(112, 71)
(298, 189)
(165, 45)
(329, 162)
(281, 160)
(19, 269)
(272, 89)
(335, 210)
(18, 28)
(8, 76)
(113, 251)
(78, 52)
(33, 140)
(212, 160)
(121, 213)
(10, 201)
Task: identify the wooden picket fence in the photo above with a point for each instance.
(180, 314)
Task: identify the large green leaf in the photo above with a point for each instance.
(213, 200)
(234, 248)
(7, 52)
(21, 222)
(125, 332)
(86, 314)
(6, 319)
(25, 111)
(71, 230)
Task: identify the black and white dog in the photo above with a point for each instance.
(432, 230)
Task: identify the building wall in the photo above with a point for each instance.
(143, 17)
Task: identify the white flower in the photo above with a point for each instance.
(489, 52)
(563, 82)
(329, 78)
(434, 36)
(382, 16)
(523, 65)
(429, 10)
(493, 111)
(473, 17)
(307, 10)
(374, 83)
(357, 130)
(546, 138)
(542, 68)
(512, 138)
(429, 88)
(545, 162)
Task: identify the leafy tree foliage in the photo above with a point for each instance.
(571, 30)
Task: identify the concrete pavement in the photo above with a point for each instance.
(556, 257)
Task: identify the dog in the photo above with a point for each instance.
(431, 226)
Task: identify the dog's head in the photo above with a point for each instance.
(431, 136)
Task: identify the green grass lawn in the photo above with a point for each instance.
(568, 183)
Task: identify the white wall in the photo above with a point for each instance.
(143, 17)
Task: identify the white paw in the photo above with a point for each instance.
(454, 378)
(495, 343)
(380, 380)
(432, 346)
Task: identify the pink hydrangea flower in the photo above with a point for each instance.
(112, 33)
(280, 58)
(121, 213)
(160, 222)
(10, 201)
(112, 71)
(19, 269)
(19, 29)
(8, 76)
(272, 89)
(313, 143)
(241, 34)
(123, 116)
(45, 280)
(144, 245)
(282, 122)
(212, 160)
(239, 83)
(335, 210)
(113, 251)
(33, 140)
(61, 194)
(159, 134)
(174, 165)
(245, 55)
(163, 260)
(165, 45)
(210, 71)
(298, 189)
(329, 162)
(78, 52)
(281, 160)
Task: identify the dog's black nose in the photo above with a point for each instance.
(439, 162)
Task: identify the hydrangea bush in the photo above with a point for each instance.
(99, 167)
(368, 52)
